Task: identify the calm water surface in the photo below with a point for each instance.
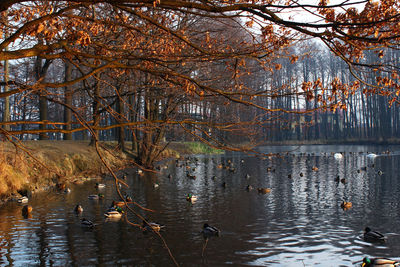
(299, 223)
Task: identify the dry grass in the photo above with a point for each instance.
(61, 161)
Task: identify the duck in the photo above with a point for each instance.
(23, 199)
(367, 262)
(95, 197)
(373, 236)
(155, 185)
(100, 186)
(249, 188)
(379, 172)
(223, 184)
(338, 155)
(27, 209)
(346, 205)
(113, 214)
(210, 230)
(67, 190)
(78, 209)
(128, 198)
(371, 155)
(151, 226)
(87, 223)
(263, 190)
(61, 186)
(118, 203)
(191, 198)
(247, 176)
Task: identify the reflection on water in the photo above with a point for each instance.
(299, 222)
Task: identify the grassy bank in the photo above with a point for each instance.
(53, 162)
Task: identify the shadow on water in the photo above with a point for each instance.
(298, 222)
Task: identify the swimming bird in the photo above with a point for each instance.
(247, 176)
(346, 205)
(371, 155)
(151, 226)
(87, 223)
(367, 262)
(26, 209)
(100, 186)
(210, 230)
(23, 199)
(191, 198)
(373, 236)
(249, 188)
(155, 185)
(338, 155)
(95, 197)
(67, 190)
(128, 198)
(78, 209)
(113, 214)
(263, 190)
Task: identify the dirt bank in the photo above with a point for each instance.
(51, 162)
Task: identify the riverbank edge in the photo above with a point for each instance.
(36, 166)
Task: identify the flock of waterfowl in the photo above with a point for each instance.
(115, 211)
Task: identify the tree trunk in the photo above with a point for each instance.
(68, 101)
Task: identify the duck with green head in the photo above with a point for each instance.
(191, 198)
(373, 236)
(382, 262)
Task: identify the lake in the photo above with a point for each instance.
(298, 223)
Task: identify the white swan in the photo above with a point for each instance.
(371, 155)
(338, 155)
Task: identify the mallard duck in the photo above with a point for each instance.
(263, 190)
(113, 214)
(247, 176)
(118, 203)
(152, 226)
(23, 199)
(301, 174)
(373, 236)
(100, 186)
(87, 223)
(78, 209)
(379, 172)
(346, 205)
(128, 198)
(94, 197)
(367, 262)
(191, 198)
(26, 209)
(210, 230)
(249, 188)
